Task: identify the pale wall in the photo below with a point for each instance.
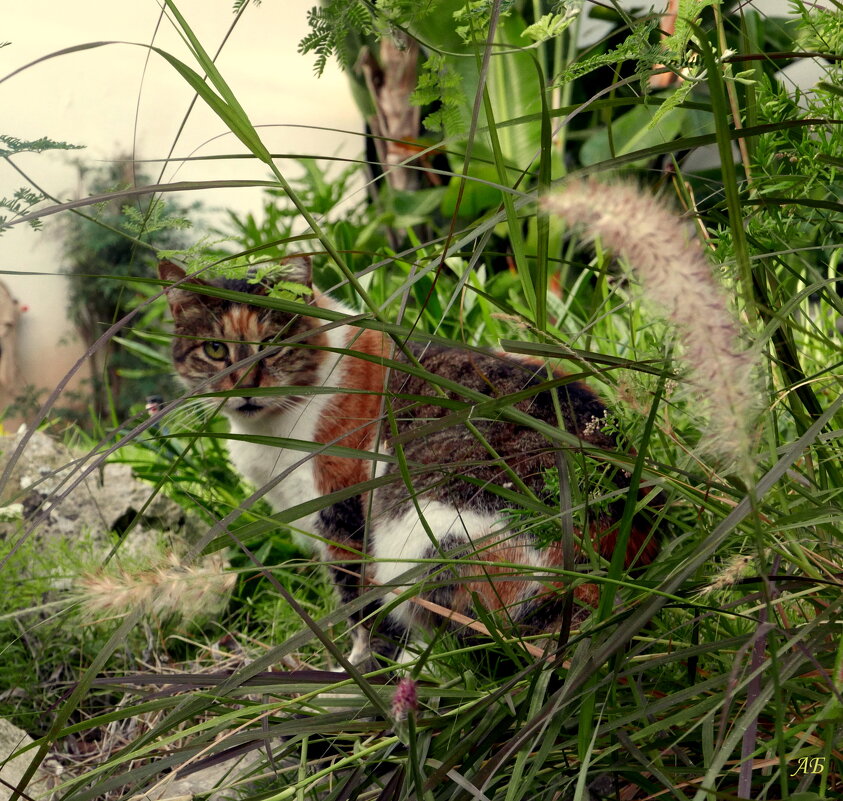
(108, 97)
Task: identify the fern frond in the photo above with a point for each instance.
(636, 47)
(154, 218)
(438, 81)
(13, 145)
(20, 203)
(334, 28)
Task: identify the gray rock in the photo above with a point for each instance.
(12, 739)
(217, 780)
(47, 481)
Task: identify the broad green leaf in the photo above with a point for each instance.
(631, 132)
(513, 92)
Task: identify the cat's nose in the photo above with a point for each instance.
(246, 380)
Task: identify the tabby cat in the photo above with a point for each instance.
(462, 483)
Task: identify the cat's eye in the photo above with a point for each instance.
(215, 350)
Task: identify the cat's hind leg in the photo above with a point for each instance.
(448, 559)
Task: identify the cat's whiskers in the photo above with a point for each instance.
(281, 403)
(191, 413)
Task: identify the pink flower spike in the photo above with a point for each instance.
(405, 699)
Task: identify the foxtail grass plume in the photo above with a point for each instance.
(733, 571)
(676, 276)
(170, 589)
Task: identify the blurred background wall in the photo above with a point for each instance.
(121, 99)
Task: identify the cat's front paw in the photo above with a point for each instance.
(361, 653)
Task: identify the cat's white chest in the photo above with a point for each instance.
(291, 472)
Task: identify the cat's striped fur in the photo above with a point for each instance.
(452, 470)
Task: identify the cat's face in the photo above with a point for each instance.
(238, 346)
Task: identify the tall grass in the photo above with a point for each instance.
(717, 671)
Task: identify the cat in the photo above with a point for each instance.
(461, 482)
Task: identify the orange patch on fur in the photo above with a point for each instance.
(336, 553)
(352, 420)
(641, 549)
(500, 587)
(588, 595)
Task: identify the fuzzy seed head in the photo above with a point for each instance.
(678, 280)
(170, 589)
(734, 570)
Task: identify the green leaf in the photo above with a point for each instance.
(674, 99)
(236, 122)
(149, 355)
(335, 27)
(550, 25)
(479, 194)
(513, 93)
(630, 132)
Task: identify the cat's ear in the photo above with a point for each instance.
(178, 298)
(299, 270)
(167, 271)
